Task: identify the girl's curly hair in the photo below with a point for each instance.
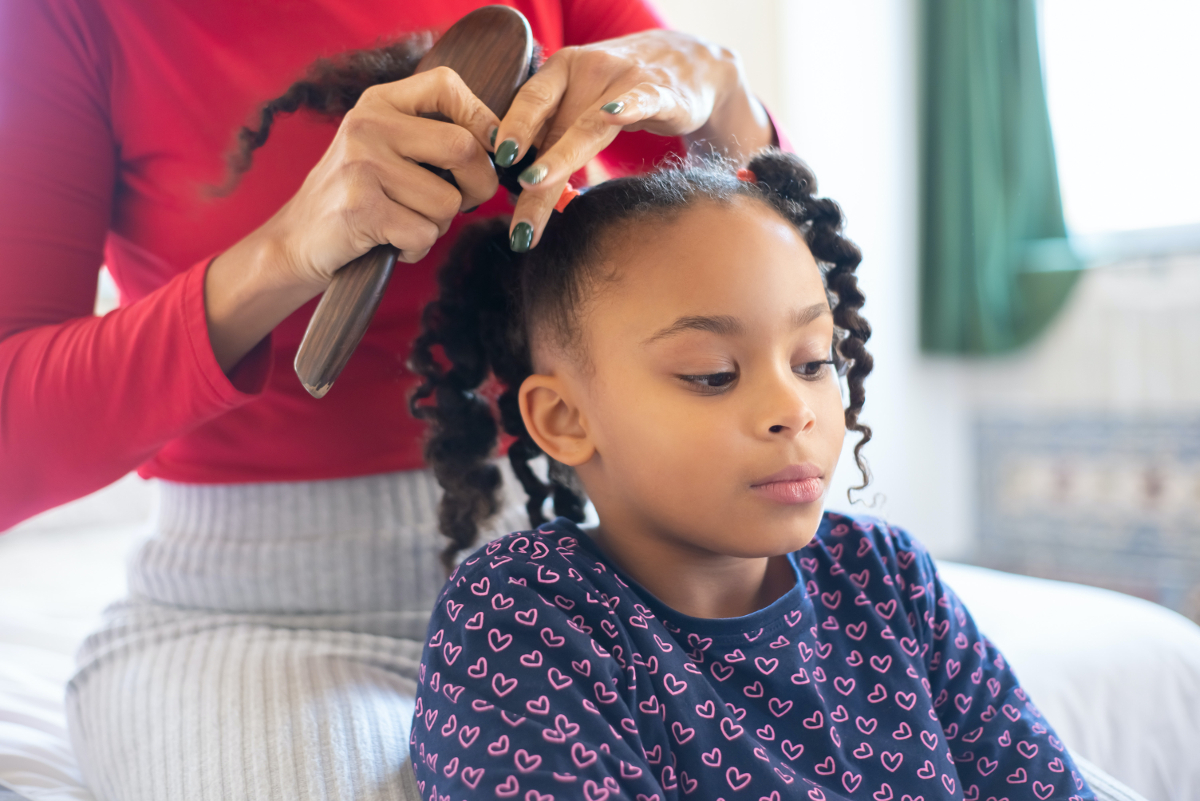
(490, 299)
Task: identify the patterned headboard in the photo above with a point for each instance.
(1105, 500)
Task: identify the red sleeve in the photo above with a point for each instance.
(83, 400)
(781, 138)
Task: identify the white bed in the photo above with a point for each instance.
(1118, 677)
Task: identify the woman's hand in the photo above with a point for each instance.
(661, 81)
(368, 189)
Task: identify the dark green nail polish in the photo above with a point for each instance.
(534, 174)
(506, 154)
(493, 137)
(522, 237)
(615, 107)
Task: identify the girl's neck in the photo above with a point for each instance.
(695, 582)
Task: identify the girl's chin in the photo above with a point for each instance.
(758, 539)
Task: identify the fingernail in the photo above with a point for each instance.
(522, 237)
(493, 137)
(468, 211)
(615, 107)
(534, 174)
(506, 154)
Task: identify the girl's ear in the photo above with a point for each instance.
(554, 421)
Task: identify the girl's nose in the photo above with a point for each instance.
(788, 412)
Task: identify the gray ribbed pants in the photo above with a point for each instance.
(269, 644)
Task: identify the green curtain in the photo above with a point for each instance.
(995, 264)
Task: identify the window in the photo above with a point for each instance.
(1123, 88)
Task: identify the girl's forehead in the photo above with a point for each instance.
(740, 259)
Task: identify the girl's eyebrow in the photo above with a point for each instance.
(726, 325)
(721, 324)
(802, 317)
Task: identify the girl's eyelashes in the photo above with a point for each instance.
(811, 371)
(713, 383)
(709, 383)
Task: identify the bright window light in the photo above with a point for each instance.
(1123, 87)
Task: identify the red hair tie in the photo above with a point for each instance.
(747, 174)
(569, 193)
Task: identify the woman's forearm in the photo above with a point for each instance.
(247, 294)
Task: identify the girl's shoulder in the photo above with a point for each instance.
(846, 539)
(869, 560)
(555, 561)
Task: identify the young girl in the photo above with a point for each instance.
(673, 346)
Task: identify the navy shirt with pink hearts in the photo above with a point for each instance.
(549, 674)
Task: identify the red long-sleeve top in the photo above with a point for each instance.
(115, 116)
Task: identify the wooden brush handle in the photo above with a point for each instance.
(342, 317)
(491, 49)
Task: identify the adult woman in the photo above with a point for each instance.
(275, 615)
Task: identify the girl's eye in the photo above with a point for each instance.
(813, 370)
(709, 382)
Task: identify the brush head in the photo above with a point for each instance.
(490, 49)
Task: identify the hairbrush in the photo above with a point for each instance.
(492, 50)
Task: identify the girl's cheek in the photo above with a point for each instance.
(831, 415)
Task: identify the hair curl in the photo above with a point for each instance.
(490, 299)
(332, 86)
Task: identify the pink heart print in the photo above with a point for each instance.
(548, 675)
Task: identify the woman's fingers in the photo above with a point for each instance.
(411, 233)
(439, 90)
(413, 187)
(536, 103)
(457, 146)
(650, 106)
(450, 147)
(564, 153)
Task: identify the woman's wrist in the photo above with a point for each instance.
(739, 124)
(248, 290)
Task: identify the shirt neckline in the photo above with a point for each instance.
(757, 623)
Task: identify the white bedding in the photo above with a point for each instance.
(1117, 676)
(35, 755)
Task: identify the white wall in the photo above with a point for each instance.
(751, 27)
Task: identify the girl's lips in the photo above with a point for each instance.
(794, 484)
(805, 490)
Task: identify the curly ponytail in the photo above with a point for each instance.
(490, 298)
(330, 88)
(475, 323)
